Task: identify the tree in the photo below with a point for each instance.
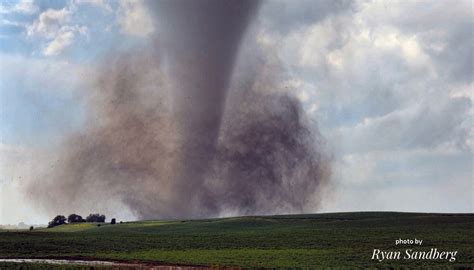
(31, 228)
(95, 218)
(73, 218)
(113, 221)
(58, 220)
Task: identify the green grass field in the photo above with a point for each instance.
(344, 240)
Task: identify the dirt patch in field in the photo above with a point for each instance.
(119, 264)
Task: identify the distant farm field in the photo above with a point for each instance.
(343, 240)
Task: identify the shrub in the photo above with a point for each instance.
(73, 218)
(58, 220)
(95, 218)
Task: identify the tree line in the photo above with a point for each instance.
(74, 218)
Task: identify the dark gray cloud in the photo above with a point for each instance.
(371, 61)
(423, 126)
(387, 81)
(285, 16)
(445, 31)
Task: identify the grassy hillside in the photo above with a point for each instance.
(340, 239)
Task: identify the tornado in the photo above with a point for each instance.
(201, 40)
(188, 125)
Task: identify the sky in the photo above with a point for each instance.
(388, 83)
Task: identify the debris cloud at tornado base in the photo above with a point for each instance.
(172, 133)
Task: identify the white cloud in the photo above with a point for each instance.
(134, 18)
(54, 26)
(104, 4)
(11, 23)
(315, 44)
(49, 23)
(16, 167)
(47, 76)
(22, 163)
(59, 43)
(24, 6)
